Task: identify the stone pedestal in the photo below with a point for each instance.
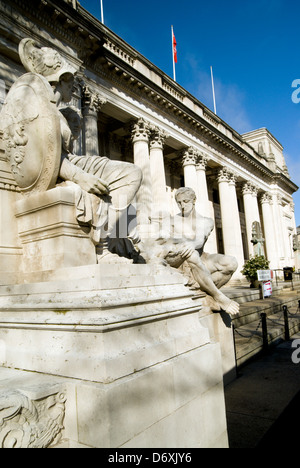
(10, 247)
(121, 350)
(49, 232)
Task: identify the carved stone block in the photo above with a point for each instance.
(49, 232)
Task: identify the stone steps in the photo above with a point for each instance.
(249, 338)
(248, 325)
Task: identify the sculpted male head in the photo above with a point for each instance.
(186, 199)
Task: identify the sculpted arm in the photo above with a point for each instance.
(88, 182)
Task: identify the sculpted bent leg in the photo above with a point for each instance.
(206, 281)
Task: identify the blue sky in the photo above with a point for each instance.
(252, 45)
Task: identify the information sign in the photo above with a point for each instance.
(264, 275)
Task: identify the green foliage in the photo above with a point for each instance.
(259, 262)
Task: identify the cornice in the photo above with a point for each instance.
(122, 72)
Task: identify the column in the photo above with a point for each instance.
(205, 206)
(269, 229)
(91, 105)
(140, 131)
(157, 168)
(251, 211)
(231, 226)
(201, 186)
(175, 179)
(281, 233)
(189, 169)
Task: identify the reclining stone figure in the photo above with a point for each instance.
(183, 241)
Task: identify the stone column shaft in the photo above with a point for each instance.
(189, 169)
(269, 230)
(251, 212)
(230, 218)
(140, 139)
(205, 206)
(90, 139)
(91, 106)
(157, 168)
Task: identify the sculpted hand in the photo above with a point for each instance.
(187, 251)
(92, 184)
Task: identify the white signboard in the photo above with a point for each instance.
(264, 275)
(267, 288)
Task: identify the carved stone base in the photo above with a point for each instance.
(140, 368)
(49, 232)
(32, 410)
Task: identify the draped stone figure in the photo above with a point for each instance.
(257, 239)
(39, 143)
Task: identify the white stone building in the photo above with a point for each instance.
(135, 112)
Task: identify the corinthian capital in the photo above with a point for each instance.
(266, 198)
(91, 100)
(158, 137)
(249, 188)
(223, 175)
(189, 156)
(201, 161)
(140, 130)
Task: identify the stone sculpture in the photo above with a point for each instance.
(39, 135)
(30, 118)
(257, 239)
(183, 241)
(26, 423)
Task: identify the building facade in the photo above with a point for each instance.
(134, 112)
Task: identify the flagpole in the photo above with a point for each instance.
(213, 89)
(102, 16)
(174, 73)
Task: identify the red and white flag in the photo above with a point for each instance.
(174, 53)
(174, 46)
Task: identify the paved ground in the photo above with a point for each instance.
(263, 403)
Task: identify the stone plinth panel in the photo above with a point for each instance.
(136, 366)
(49, 232)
